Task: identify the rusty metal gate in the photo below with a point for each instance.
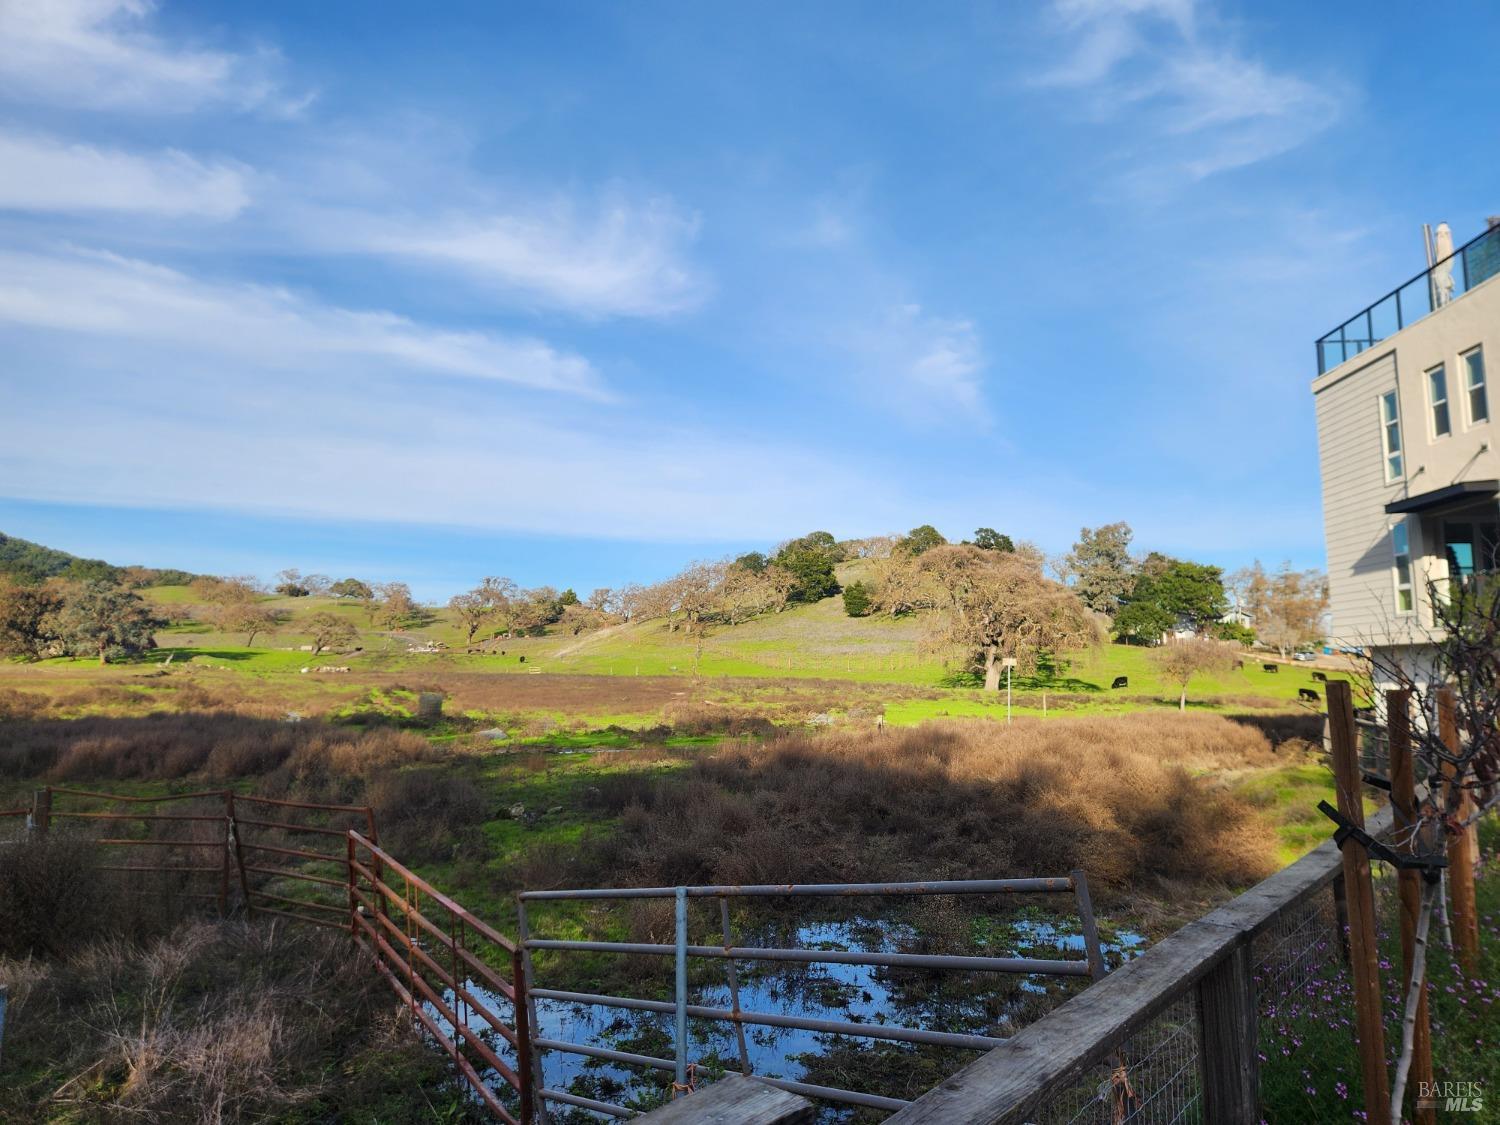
(431, 952)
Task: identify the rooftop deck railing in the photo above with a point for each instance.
(1474, 262)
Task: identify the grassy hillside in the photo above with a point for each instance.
(33, 562)
(806, 642)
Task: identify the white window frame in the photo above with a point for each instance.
(1434, 404)
(1401, 550)
(1483, 386)
(1394, 459)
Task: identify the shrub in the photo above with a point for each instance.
(22, 704)
(218, 746)
(426, 814)
(958, 800)
(857, 599)
(53, 897)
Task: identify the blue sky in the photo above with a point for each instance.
(575, 292)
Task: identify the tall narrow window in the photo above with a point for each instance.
(1390, 432)
(1474, 384)
(1437, 395)
(1401, 548)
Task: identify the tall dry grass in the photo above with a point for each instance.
(52, 897)
(213, 746)
(215, 1022)
(1118, 797)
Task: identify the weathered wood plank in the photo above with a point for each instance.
(1463, 848)
(1012, 1079)
(735, 1100)
(1228, 1050)
(1364, 954)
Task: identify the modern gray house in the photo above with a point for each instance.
(1406, 401)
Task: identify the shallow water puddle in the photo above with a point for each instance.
(993, 1004)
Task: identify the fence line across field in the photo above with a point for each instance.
(236, 836)
(681, 951)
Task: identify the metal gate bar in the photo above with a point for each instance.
(1075, 883)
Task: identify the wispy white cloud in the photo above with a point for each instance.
(1203, 104)
(260, 439)
(103, 295)
(102, 54)
(922, 368)
(621, 257)
(40, 173)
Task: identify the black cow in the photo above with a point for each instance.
(1308, 694)
(1271, 667)
(1121, 681)
(1321, 677)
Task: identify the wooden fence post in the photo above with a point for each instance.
(1462, 848)
(1360, 900)
(1404, 800)
(1228, 1042)
(41, 809)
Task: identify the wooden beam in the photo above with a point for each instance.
(735, 1100)
(1359, 897)
(1228, 1045)
(1463, 849)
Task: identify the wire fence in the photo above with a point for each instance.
(1152, 1078)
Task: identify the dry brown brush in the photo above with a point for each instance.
(215, 1022)
(1118, 797)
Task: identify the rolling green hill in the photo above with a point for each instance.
(32, 562)
(817, 641)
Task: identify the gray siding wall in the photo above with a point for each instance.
(1355, 492)
(1356, 528)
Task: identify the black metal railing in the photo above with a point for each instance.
(1474, 262)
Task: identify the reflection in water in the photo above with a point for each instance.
(983, 1003)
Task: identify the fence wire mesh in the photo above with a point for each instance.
(1309, 1066)
(1151, 1078)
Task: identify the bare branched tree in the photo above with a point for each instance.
(987, 605)
(1183, 660)
(1286, 607)
(1462, 769)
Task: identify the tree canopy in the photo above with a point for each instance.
(988, 539)
(1101, 566)
(809, 561)
(919, 540)
(1168, 591)
(1181, 661)
(1286, 607)
(989, 606)
(109, 621)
